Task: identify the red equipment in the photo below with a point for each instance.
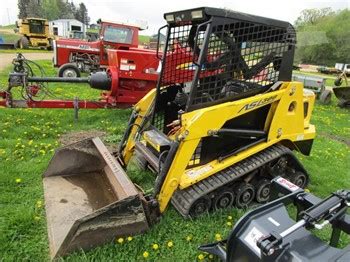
(128, 78)
(73, 56)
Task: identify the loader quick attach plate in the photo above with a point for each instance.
(89, 199)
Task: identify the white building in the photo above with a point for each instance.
(67, 28)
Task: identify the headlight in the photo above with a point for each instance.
(170, 18)
(197, 14)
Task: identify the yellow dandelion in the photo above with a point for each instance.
(189, 238)
(37, 218)
(200, 257)
(18, 180)
(229, 223)
(120, 240)
(30, 142)
(129, 238)
(155, 246)
(170, 244)
(39, 204)
(145, 254)
(229, 218)
(307, 190)
(211, 256)
(218, 237)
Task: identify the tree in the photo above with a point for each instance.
(51, 10)
(333, 45)
(22, 7)
(65, 9)
(82, 14)
(312, 16)
(34, 8)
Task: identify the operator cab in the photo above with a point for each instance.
(213, 55)
(119, 35)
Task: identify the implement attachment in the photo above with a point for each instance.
(89, 199)
(343, 94)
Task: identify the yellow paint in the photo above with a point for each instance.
(285, 121)
(142, 108)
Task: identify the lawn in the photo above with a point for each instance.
(9, 37)
(29, 137)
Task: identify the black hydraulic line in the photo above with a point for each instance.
(240, 132)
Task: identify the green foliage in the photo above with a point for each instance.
(53, 9)
(9, 37)
(312, 16)
(144, 39)
(22, 7)
(34, 8)
(82, 14)
(323, 38)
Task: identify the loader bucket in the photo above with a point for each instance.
(343, 94)
(89, 199)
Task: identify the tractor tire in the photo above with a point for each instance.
(69, 70)
(326, 97)
(23, 43)
(338, 81)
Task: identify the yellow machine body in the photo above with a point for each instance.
(36, 31)
(288, 122)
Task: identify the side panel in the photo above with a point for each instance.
(287, 123)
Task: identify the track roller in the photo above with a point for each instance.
(245, 194)
(201, 206)
(262, 190)
(298, 178)
(223, 199)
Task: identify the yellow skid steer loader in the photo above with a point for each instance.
(221, 123)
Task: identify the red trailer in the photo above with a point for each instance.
(74, 56)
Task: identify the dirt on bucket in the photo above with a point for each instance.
(73, 137)
(76, 136)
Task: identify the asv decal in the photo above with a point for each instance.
(258, 103)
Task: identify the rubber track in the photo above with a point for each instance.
(182, 200)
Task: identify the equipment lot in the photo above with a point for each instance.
(29, 137)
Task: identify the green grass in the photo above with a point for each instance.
(9, 37)
(13, 26)
(29, 136)
(23, 51)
